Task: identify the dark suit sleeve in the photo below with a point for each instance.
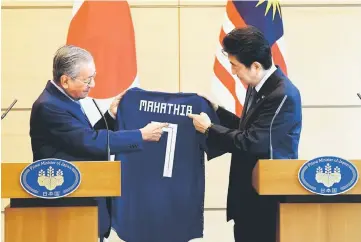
(76, 137)
(255, 139)
(227, 119)
(211, 151)
(101, 123)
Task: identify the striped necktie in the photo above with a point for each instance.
(252, 98)
(81, 108)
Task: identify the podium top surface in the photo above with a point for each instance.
(98, 179)
(280, 177)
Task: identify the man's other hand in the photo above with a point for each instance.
(153, 131)
(200, 121)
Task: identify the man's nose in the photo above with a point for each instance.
(92, 83)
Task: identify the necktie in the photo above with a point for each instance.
(252, 98)
(81, 108)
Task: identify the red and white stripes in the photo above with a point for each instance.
(227, 88)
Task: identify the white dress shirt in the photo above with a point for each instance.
(264, 79)
(60, 89)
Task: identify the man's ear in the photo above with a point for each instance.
(64, 81)
(258, 66)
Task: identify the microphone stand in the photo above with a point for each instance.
(108, 200)
(270, 129)
(106, 125)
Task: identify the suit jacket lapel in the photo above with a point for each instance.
(73, 107)
(269, 86)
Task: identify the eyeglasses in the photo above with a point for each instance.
(88, 80)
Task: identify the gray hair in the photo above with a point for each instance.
(67, 61)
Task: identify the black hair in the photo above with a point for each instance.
(248, 45)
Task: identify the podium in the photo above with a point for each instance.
(73, 219)
(304, 216)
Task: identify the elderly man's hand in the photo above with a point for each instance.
(200, 121)
(115, 103)
(153, 131)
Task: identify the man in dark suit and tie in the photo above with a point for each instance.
(248, 137)
(60, 129)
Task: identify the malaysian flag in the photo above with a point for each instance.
(105, 29)
(267, 17)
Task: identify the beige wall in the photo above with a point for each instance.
(322, 53)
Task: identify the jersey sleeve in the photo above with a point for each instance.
(121, 112)
(211, 150)
(119, 122)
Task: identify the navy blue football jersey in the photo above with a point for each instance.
(162, 196)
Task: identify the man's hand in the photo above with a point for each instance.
(114, 105)
(153, 131)
(200, 121)
(210, 99)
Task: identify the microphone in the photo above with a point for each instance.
(9, 108)
(359, 95)
(270, 129)
(106, 125)
(108, 200)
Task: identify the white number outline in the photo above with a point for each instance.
(170, 149)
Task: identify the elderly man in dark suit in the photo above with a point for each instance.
(60, 129)
(248, 137)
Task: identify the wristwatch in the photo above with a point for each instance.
(207, 130)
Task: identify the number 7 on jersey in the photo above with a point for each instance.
(169, 152)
